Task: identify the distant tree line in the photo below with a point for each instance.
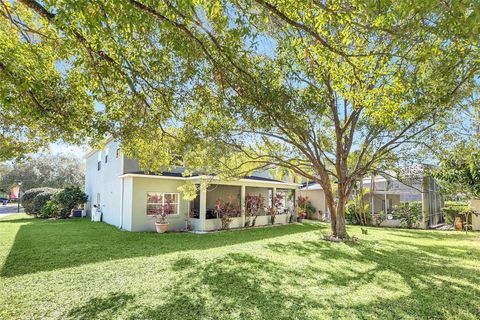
(54, 171)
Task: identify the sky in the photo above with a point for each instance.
(66, 149)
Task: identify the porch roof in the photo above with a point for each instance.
(197, 176)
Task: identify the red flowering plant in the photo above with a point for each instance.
(253, 207)
(302, 205)
(227, 210)
(277, 202)
(164, 211)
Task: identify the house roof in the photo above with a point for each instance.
(311, 186)
(179, 175)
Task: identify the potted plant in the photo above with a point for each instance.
(302, 208)
(161, 223)
(300, 216)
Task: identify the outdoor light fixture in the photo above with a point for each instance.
(18, 197)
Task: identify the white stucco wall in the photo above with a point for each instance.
(105, 183)
(476, 219)
(317, 198)
(140, 187)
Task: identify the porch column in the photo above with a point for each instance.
(274, 193)
(386, 204)
(295, 196)
(203, 207)
(242, 204)
(372, 196)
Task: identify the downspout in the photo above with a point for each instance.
(121, 203)
(372, 195)
(121, 194)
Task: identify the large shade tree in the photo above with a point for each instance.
(328, 90)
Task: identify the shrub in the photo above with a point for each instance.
(41, 200)
(28, 197)
(450, 212)
(351, 215)
(253, 208)
(275, 209)
(408, 213)
(227, 210)
(305, 207)
(379, 217)
(463, 212)
(68, 199)
(49, 210)
(455, 204)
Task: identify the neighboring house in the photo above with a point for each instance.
(316, 195)
(386, 192)
(127, 197)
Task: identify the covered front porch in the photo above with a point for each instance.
(205, 212)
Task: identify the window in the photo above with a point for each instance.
(106, 155)
(117, 153)
(99, 160)
(158, 201)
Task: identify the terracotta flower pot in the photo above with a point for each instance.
(458, 224)
(161, 227)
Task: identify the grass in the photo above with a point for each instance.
(75, 269)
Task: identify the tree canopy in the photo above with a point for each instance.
(53, 171)
(326, 90)
(460, 172)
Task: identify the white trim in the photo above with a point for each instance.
(92, 151)
(163, 202)
(137, 175)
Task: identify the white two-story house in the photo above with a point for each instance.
(128, 197)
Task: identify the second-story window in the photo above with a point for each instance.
(117, 153)
(99, 160)
(106, 155)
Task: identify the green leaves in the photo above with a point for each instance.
(460, 171)
(326, 90)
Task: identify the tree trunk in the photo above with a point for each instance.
(340, 231)
(331, 206)
(333, 219)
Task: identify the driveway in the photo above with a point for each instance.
(9, 209)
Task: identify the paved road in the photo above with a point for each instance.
(9, 209)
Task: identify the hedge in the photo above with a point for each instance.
(41, 200)
(29, 196)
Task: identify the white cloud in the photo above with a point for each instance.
(67, 149)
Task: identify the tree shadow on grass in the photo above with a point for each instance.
(49, 245)
(437, 286)
(245, 286)
(101, 308)
(9, 219)
(430, 234)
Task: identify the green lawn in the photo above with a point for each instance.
(75, 269)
